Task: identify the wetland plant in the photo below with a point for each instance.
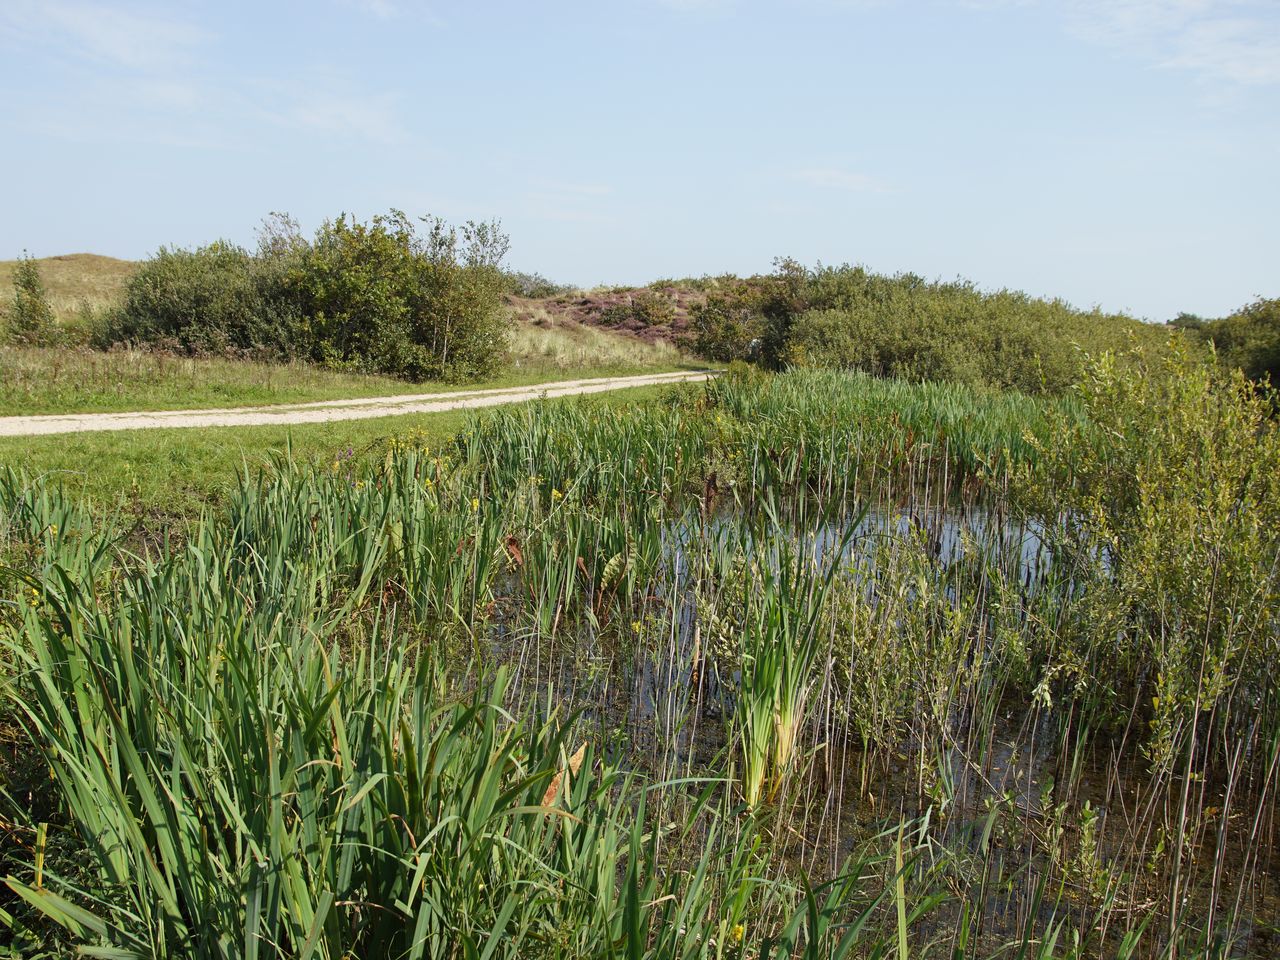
(806, 665)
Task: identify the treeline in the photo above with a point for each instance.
(424, 300)
(1248, 339)
(420, 300)
(905, 326)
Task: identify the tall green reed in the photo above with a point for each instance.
(982, 660)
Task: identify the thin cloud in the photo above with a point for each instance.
(156, 77)
(1223, 41)
(382, 9)
(571, 188)
(126, 72)
(695, 6)
(135, 39)
(569, 201)
(331, 103)
(364, 117)
(834, 178)
(419, 10)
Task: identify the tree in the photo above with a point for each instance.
(387, 297)
(1188, 321)
(1250, 339)
(31, 319)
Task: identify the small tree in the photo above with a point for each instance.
(383, 296)
(1250, 339)
(31, 316)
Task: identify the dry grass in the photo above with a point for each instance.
(549, 342)
(75, 280)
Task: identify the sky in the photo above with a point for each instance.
(1116, 153)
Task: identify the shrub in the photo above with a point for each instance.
(905, 326)
(30, 318)
(643, 308)
(534, 285)
(750, 319)
(381, 297)
(1188, 321)
(701, 284)
(735, 321)
(1172, 476)
(1250, 339)
(378, 296)
(456, 308)
(915, 347)
(209, 300)
(727, 328)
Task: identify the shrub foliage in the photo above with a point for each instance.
(1248, 339)
(30, 317)
(645, 308)
(905, 326)
(209, 300)
(417, 300)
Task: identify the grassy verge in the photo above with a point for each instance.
(177, 472)
(47, 380)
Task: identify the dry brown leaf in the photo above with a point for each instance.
(575, 764)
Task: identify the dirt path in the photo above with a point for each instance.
(324, 411)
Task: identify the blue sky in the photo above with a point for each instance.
(1122, 153)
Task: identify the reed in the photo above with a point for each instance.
(805, 665)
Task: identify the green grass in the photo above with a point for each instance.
(177, 472)
(52, 380)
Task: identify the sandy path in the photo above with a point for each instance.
(325, 411)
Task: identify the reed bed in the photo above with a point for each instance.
(804, 665)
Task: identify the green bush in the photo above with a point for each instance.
(644, 308)
(749, 319)
(534, 285)
(904, 326)
(209, 300)
(457, 306)
(30, 317)
(381, 297)
(701, 284)
(728, 327)
(1250, 339)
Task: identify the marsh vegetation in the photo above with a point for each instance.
(810, 664)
